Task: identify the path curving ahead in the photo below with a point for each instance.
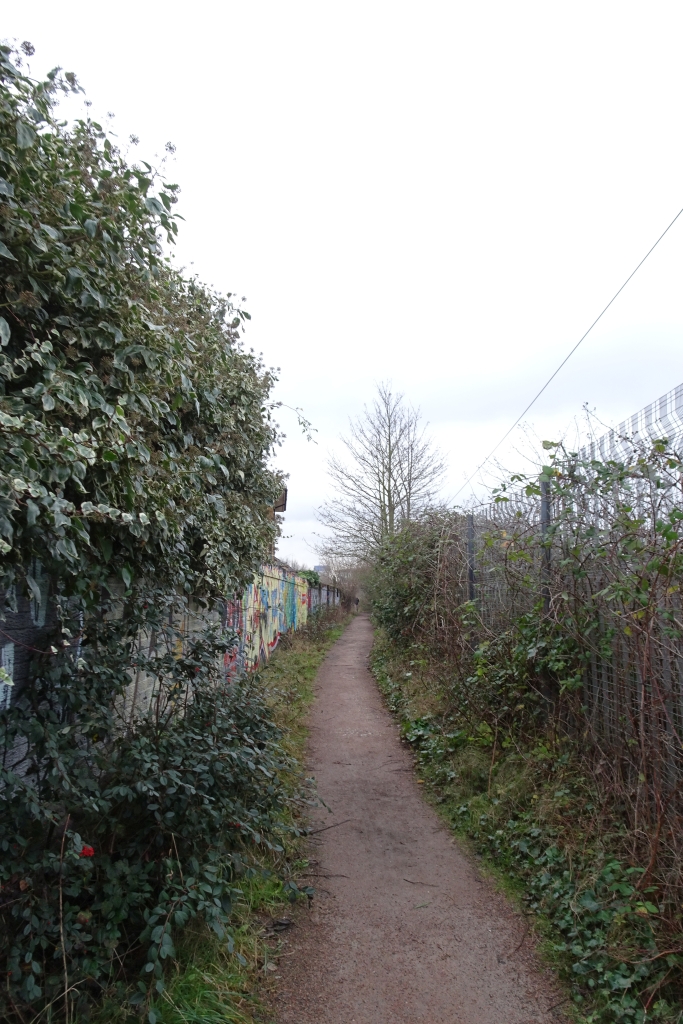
(402, 930)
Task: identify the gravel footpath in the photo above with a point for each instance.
(401, 930)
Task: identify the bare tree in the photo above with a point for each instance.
(392, 475)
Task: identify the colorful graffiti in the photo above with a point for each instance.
(277, 602)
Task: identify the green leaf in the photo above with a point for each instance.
(588, 901)
(153, 205)
(32, 512)
(35, 589)
(67, 547)
(90, 226)
(5, 332)
(127, 576)
(106, 547)
(48, 402)
(26, 136)
(4, 251)
(6, 189)
(39, 242)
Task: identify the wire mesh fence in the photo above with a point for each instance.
(663, 418)
(586, 556)
(591, 548)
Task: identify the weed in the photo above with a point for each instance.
(532, 809)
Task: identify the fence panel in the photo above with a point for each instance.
(592, 552)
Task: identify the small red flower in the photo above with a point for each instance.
(87, 851)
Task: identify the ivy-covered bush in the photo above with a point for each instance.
(135, 434)
(135, 429)
(113, 837)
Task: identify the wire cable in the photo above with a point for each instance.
(567, 357)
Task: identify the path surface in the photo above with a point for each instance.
(402, 930)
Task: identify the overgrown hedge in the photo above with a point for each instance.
(547, 711)
(135, 434)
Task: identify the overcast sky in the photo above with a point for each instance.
(440, 194)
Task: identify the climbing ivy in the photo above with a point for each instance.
(311, 575)
(135, 429)
(135, 433)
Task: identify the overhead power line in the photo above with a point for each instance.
(567, 357)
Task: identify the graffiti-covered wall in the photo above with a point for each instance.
(275, 603)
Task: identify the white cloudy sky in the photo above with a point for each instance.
(440, 194)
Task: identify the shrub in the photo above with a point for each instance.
(135, 429)
(112, 837)
(135, 433)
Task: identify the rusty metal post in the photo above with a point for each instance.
(545, 537)
(470, 557)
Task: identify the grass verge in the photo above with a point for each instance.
(546, 831)
(214, 981)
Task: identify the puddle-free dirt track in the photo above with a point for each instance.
(402, 930)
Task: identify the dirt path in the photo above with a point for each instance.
(402, 930)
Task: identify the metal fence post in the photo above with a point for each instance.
(545, 526)
(470, 557)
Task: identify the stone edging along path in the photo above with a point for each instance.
(402, 930)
